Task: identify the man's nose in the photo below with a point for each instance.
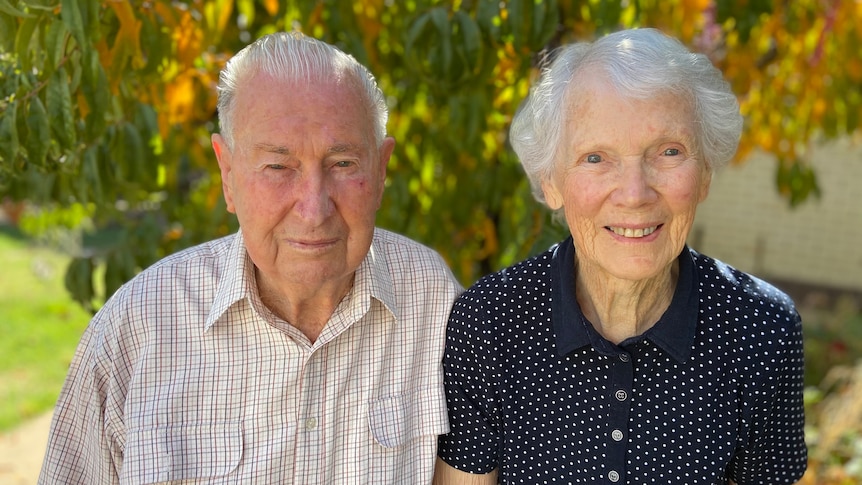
(314, 202)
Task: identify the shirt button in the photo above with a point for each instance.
(310, 424)
(617, 435)
(621, 395)
(625, 357)
(613, 476)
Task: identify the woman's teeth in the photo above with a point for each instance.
(628, 232)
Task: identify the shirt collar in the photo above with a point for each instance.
(237, 281)
(375, 267)
(673, 333)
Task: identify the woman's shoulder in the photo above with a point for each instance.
(727, 290)
(525, 275)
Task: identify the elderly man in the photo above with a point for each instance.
(306, 348)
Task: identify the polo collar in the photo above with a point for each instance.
(674, 332)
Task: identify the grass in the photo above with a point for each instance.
(40, 327)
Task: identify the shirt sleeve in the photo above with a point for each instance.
(774, 450)
(473, 443)
(81, 447)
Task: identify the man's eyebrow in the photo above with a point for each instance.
(283, 150)
(344, 148)
(277, 149)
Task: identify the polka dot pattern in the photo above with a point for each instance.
(712, 392)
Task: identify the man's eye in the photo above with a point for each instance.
(671, 152)
(594, 158)
(343, 163)
(276, 166)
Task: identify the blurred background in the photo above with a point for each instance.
(106, 108)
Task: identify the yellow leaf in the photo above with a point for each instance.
(271, 6)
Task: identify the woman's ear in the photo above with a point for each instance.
(705, 182)
(553, 197)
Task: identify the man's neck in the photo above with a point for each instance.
(304, 308)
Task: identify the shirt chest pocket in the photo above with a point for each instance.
(181, 452)
(397, 420)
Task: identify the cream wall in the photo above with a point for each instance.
(745, 223)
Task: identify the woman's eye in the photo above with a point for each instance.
(672, 152)
(594, 158)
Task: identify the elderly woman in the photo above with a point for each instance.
(620, 355)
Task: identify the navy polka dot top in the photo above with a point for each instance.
(712, 392)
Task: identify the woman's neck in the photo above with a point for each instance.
(620, 309)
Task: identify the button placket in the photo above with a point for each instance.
(622, 380)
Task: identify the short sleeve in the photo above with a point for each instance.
(473, 443)
(81, 446)
(774, 449)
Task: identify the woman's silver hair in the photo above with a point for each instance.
(294, 56)
(640, 64)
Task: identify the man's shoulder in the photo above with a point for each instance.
(209, 250)
(194, 270)
(403, 251)
(196, 266)
(387, 237)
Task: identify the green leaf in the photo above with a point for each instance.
(90, 17)
(79, 280)
(488, 18)
(91, 176)
(55, 44)
(96, 92)
(416, 31)
(9, 135)
(607, 16)
(39, 132)
(440, 19)
(8, 9)
(520, 21)
(70, 12)
(119, 268)
(43, 5)
(471, 41)
(59, 104)
(22, 42)
(545, 23)
(796, 181)
(133, 151)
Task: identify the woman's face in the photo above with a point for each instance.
(629, 177)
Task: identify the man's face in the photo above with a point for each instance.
(305, 179)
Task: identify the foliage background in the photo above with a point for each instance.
(106, 108)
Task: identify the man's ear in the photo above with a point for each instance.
(225, 159)
(384, 154)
